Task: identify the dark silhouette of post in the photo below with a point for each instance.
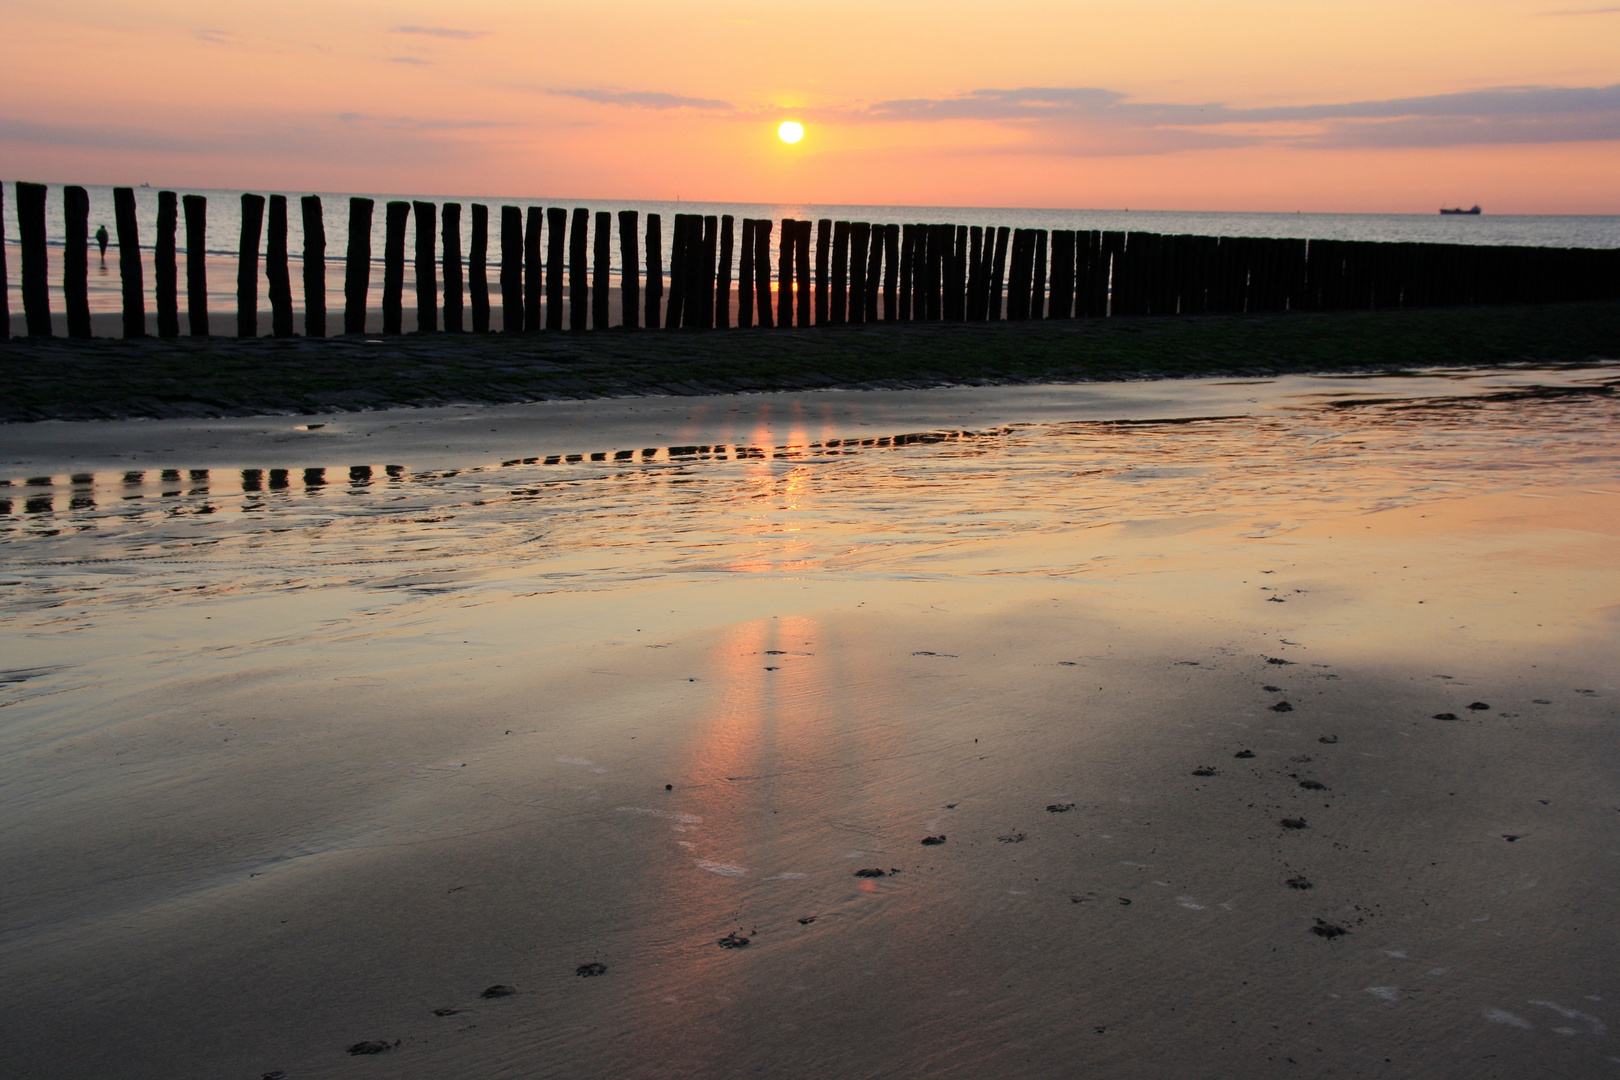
(511, 270)
(5, 283)
(129, 262)
(838, 300)
(76, 260)
(1018, 275)
(801, 255)
(679, 239)
(556, 258)
(939, 245)
(579, 291)
(745, 276)
(919, 272)
(908, 240)
(36, 289)
(314, 266)
(450, 232)
(1037, 292)
(478, 269)
(891, 273)
(784, 274)
(601, 269)
(722, 281)
(859, 235)
(976, 278)
(397, 214)
(165, 271)
(705, 272)
(655, 273)
(762, 271)
(824, 232)
(275, 269)
(629, 271)
(427, 270)
(357, 266)
(998, 265)
(955, 300)
(533, 273)
(1060, 305)
(874, 272)
(196, 211)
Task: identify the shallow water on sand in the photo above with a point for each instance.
(915, 505)
(291, 761)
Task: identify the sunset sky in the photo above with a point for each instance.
(1370, 105)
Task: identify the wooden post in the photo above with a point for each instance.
(801, 256)
(840, 274)
(5, 283)
(629, 270)
(129, 262)
(722, 287)
(762, 270)
(511, 270)
(998, 271)
(784, 274)
(356, 267)
(275, 269)
(579, 291)
(1061, 304)
(745, 276)
(1019, 272)
(534, 276)
(860, 234)
(556, 257)
(450, 234)
(314, 267)
(919, 272)
(655, 273)
(976, 291)
(891, 273)
(874, 273)
(601, 269)
(1037, 292)
(954, 302)
(700, 286)
(675, 317)
(76, 260)
(823, 257)
(939, 244)
(36, 294)
(165, 271)
(478, 269)
(908, 241)
(427, 271)
(247, 267)
(397, 214)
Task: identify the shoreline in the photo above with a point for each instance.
(184, 378)
(607, 432)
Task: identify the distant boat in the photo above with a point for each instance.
(1459, 210)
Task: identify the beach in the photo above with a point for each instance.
(1260, 726)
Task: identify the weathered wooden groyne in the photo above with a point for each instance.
(555, 270)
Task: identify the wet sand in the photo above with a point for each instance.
(287, 775)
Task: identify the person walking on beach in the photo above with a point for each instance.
(101, 238)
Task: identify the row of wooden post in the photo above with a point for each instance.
(862, 272)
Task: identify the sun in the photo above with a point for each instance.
(791, 131)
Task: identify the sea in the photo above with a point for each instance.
(224, 228)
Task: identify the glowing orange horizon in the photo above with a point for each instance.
(1172, 105)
